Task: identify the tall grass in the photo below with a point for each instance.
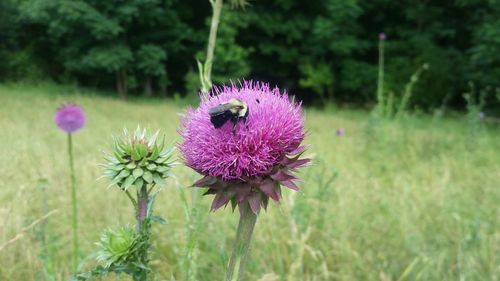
(409, 202)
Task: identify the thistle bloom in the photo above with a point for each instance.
(382, 36)
(251, 162)
(70, 118)
(340, 132)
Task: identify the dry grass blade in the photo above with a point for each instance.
(27, 228)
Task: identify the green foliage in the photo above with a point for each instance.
(88, 37)
(231, 59)
(395, 106)
(109, 58)
(318, 78)
(313, 48)
(150, 59)
(485, 54)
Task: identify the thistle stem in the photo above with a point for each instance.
(142, 230)
(206, 71)
(242, 244)
(74, 218)
(142, 207)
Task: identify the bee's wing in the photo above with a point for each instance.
(220, 109)
(220, 114)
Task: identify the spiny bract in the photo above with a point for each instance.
(138, 159)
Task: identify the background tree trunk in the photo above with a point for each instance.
(148, 91)
(121, 83)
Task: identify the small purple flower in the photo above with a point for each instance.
(340, 132)
(70, 118)
(251, 162)
(382, 36)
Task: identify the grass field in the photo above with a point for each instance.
(415, 199)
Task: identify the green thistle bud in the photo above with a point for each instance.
(116, 245)
(138, 159)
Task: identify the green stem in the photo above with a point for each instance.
(131, 199)
(74, 204)
(242, 244)
(206, 71)
(142, 207)
(143, 230)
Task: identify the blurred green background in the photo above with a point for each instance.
(394, 193)
(319, 50)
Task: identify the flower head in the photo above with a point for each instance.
(116, 245)
(70, 118)
(340, 132)
(249, 160)
(382, 36)
(138, 159)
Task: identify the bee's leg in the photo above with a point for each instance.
(235, 121)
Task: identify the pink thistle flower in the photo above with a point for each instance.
(340, 132)
(382, 36)
(251, 162)
(70, 118)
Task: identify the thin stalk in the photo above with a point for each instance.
(74, 204)
(244, 233)
(131, 199)
(206, 70)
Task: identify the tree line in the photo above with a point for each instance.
(319, 50)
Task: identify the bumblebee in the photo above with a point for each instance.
(234, 110)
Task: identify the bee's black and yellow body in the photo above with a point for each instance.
(234, 110)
